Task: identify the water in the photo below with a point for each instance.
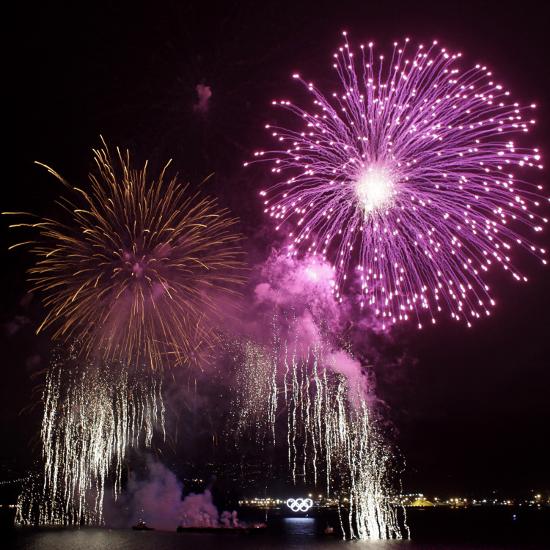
(286, 534)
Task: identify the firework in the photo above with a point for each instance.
(93, 416)
(411, 180)
(135, 275)
(256, 398)
(332, 435)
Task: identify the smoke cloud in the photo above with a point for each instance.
(302, 292)
(158, 501)
(204, 93)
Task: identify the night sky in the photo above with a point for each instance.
(470, 407)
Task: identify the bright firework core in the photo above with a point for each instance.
(374, 188)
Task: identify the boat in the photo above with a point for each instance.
(142, 526)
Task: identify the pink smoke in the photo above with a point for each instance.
(157, 500)
(198, 510)
(301, 291)
(288, 279)
(204, 93)
(342, 362)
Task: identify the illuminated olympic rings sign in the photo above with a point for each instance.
(299, 504)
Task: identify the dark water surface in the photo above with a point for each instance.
(288, 533)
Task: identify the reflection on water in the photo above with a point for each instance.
(434, 529)
(299, 526)
(291, 534)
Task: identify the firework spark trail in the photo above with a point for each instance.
(328, 418)
(411, 180)
(256, 400)
(92, 418)
(137, 273)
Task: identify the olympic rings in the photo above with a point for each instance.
(299, 504)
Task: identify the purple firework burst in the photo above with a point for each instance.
(409, 181)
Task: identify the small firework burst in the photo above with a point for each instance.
(411, 180)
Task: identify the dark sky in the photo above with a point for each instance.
(471, 406)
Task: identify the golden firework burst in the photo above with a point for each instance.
(138, 271)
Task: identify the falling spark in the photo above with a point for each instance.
(256, 399)
(411, 180)
(330, 430)
(92, 418)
